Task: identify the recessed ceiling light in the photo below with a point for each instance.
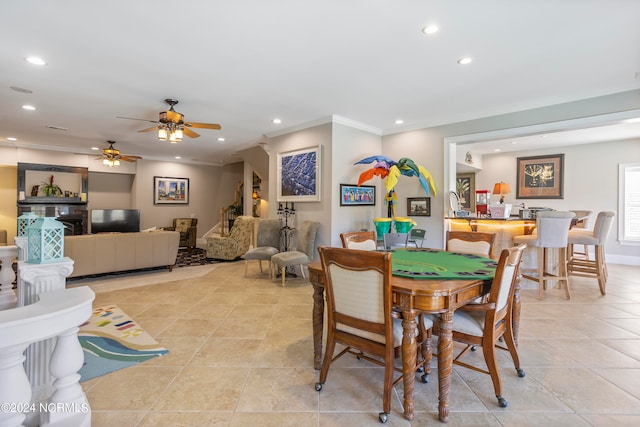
(178, 157)
(220, 139)
(276, 121)
(497, 150)
(465, 61)
(95, 148)
(29, 107)
(35, 60)
(11, 138)
(399, 122)
(514, 142)
(634, 120)
(430, 29)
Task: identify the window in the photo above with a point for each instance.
(629, 208)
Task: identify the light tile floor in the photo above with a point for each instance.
(241, 355)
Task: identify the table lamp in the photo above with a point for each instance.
(501, 188)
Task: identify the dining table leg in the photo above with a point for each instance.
(445, 363)
(318, 320)
(409, 353)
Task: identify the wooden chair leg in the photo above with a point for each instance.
(284, 274)
(260, 261)
(601, 269)
(246, 267)
(541, 252)
(563, 272)
(489, 351)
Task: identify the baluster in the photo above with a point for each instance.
(66, 361)
(15, 390)
(7, 276)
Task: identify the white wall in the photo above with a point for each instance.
(424, 147)
(308, 211)
(210, 189)
(348, 146)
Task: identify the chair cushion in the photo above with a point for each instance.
(285, 259)
(397, 331)
(582, 237)
(469, 322)
(265, 252)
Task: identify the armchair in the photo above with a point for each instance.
(235, 244)
(187, 227)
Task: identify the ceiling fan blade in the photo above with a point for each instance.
(142, 120)
(127, 158)
(149, 129)
(190, 133)
(203, 125)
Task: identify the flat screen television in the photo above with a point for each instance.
(115, 220)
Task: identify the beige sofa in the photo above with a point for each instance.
(112, 252)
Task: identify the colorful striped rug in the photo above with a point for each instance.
(111, 340)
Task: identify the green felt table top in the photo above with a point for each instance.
(426, 263)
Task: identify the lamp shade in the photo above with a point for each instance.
(501, 188)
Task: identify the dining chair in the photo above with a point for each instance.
(470, 242)
(267, 244)
(597, 237)
(485, 324)
(392, 240)
(552, 233)
(305, 245)
(359, 314)
(417, 234)
(364, 240)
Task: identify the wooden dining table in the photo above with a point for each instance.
(411, 297)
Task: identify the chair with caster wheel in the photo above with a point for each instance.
(484, 324)
(359, 314)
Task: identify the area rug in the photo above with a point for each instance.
(111, 340)
(196, 257)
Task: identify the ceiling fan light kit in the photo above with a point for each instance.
(111, 156)
(171, 124)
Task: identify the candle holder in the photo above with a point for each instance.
(286, 213)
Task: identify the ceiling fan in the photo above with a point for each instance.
(171, 124)
(111, 156)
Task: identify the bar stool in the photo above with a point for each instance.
(582, 221)
(552, 233)
(597, 267)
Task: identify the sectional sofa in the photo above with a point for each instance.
(113, 252)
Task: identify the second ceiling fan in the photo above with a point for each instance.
(171, 125)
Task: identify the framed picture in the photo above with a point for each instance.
(299, 175)
(540, 177)
(419, 206)
(352, 195)
(168, 190)
(466, 189)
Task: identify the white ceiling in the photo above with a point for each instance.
(243, 63)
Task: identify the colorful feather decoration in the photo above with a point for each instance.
(390, 170)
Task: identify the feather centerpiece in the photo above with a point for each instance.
(389, 170)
